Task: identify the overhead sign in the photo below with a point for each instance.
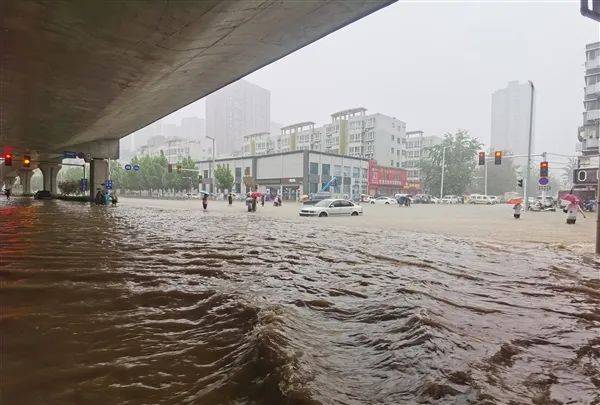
(69, 155)
(127, 166)
(542, 181)
(136, 167)
(585, 176)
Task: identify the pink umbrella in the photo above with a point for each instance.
(256, 194)
(573, 199)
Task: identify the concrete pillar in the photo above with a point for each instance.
(98, 175)
(25, 177)
(50, 173)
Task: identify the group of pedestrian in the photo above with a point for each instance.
(103, 197)
(571, 210)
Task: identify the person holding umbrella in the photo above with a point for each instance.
(573, 208)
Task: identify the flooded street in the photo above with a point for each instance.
(144, 303)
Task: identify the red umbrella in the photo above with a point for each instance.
(256, 194)
(517, 200)
(573, 199)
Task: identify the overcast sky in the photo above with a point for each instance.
(435, 65)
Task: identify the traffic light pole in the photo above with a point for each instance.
(485, 178)
(443, 169)
(598, 196)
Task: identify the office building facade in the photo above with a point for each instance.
(235, 111)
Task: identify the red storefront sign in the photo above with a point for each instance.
(388, 177)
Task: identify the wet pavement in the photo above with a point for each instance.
(146, 303)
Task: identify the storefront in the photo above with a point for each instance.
(386, 180)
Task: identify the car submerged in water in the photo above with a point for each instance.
(331, 207)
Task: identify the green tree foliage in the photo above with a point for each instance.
(153, 175)
(224, 177)
(72, 173)
(69, 187)
(501, 178)
(461, 150)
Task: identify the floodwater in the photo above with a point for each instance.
(140, 305)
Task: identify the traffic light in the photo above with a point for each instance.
(520, 182)
(178, 168)
(8, 159)
(544, 169)
(26, 161)
(481, 158)
(498, 157)
(170, 168)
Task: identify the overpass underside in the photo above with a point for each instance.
(80, 75)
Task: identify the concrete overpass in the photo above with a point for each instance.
(80, 75)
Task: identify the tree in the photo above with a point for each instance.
(566, 176)
(224, 177)
(69, 187)
(461, 150)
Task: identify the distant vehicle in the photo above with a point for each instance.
(495, 199)
(43, 195)
(384, 200)
(481, 199)
(365, 198)
(435, 200)
(331, 207)
(450, 199)
(314, 198)
(422, 199)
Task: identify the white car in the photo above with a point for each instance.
(384, 200)
(331, 207)
(450, 199)
(481, 199)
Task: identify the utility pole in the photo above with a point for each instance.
(598, 193)
(527, 171)
(443, 169)
(485, 177)
(212, 168)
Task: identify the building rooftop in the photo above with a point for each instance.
(256, 135)
(593, 45)
(351, 111)
(298, 125)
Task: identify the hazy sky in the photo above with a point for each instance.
(434, 65)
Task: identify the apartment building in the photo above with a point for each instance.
(177, 149)
(414, 146)
(258, 144)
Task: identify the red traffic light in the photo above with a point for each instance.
(498, 157)
(8, 159)
(481, 158)
(544, 169)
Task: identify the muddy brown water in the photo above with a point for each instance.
(138, 305)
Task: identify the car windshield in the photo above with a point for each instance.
(323, 203)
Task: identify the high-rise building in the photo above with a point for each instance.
(589, 133)
(235, 111)
(511, 109)
(415, 143)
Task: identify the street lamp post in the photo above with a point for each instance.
(526, 179)
(212, 167)
(443, 169)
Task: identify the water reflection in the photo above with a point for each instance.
(140, 305)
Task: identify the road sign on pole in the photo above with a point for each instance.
(108, 184)
(542, 181)
(136, 167)
(127, 166)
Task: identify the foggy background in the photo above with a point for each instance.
(435, 65)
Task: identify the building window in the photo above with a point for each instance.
(392, 151)
(346, 171)
(325, 168)
(337, 170)
(313, 168)
(356, 172)
(206, 174)
(238, 172)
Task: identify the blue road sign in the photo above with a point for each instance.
(80, 155)
(84, 184)
(136, 167)
(127, 166)
(108, 184)
(543, 181)
(69, 155)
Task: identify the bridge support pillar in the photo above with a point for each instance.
(50, 174)
(25, 178)
(98, 175)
